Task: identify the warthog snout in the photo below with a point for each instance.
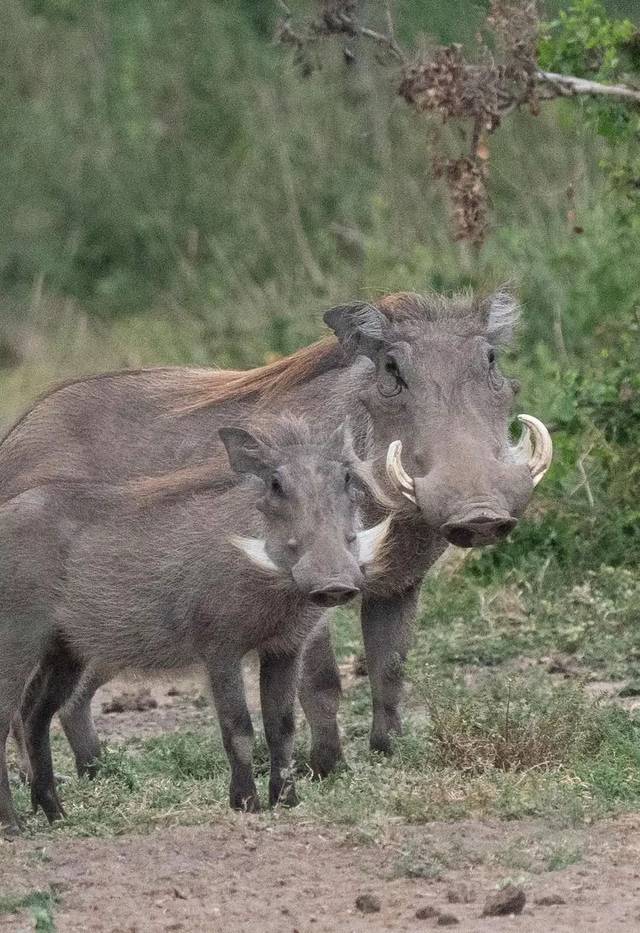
(478, 528)
(498, 497)
(328, 579)
(470, 495)
(335, 594)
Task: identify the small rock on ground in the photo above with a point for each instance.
(368, 903)
(509, 900)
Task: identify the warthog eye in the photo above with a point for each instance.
(393, 384)
(347, 478)
(495, 376)
(276, 486)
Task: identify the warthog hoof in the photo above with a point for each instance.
(381, 742)
(383, 734)
(245, 802)
(325, 761)
(47, 798)
(283, 794)
(88, 769)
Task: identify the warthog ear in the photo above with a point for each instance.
(503, 312)
(359, 327)
(246, 453)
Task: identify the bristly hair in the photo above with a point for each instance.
(216, 386)
(495, 316)
(287, 431)
(503, 317)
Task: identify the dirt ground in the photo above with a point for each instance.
(244, 875)
(241, 876)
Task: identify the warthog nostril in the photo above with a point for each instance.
(335, 595)
(478, 530)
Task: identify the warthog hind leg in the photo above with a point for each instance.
(17, 731)
(48, 690)
(77, 722)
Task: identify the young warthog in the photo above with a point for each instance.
(113, 579)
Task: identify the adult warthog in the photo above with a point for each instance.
(130, 578)
(419, 370)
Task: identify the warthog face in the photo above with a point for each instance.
(433, 384)
(309, 504)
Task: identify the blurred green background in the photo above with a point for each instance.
(173, 191)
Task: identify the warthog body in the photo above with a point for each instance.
(145, 579)
(418, 370)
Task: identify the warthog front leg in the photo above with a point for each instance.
(49, 688)
(227, 688)
(320, 691)
(386, 629)
(278, 681)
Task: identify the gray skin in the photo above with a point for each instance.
(101, 578)
(421, 370)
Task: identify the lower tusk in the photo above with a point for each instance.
(398, 476)
(255, 549)
(535, 446)
(372, 540)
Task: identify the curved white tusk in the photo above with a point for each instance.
(255, 550)
(371, 541)
(398, 476)
(535, 446)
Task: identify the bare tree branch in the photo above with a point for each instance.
(568, 86)
(388, 41)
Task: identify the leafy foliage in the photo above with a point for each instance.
(585, 42)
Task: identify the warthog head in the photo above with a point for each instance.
(308, 497)
(440, 404)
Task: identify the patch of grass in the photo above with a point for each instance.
(40, 904)
(510, 747)
(510, 724)
(415, 862)
(534, 611)
(561, 856)
(536, 855)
